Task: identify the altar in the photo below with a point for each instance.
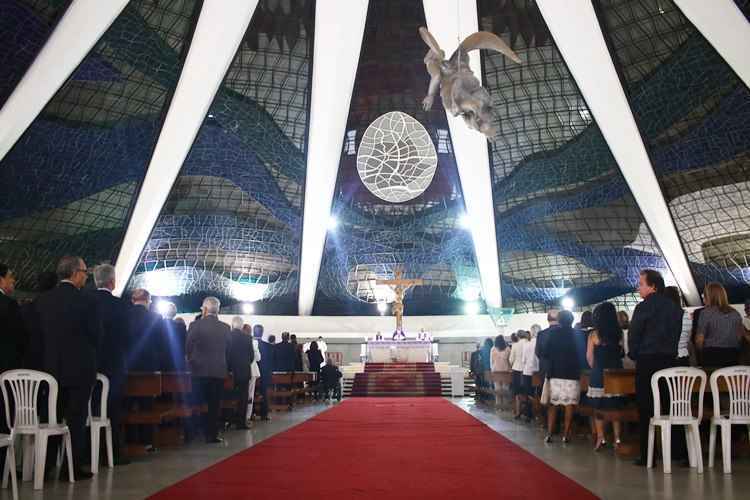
(401, 351)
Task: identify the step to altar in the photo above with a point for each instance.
(397, 379)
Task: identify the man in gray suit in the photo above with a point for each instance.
(207, 343)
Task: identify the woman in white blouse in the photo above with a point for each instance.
(254, 372)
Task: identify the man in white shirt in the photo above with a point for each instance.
(530, 367)
(254, 373)
(322, 346)
(424, 336)
(517, 363)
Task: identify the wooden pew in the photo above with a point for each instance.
(161, 402)
(281, 393)
(622, 381)
(141, 391)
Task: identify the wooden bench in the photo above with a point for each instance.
(161, 402)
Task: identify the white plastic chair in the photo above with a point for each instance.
(6, 441)
(681, 384)
(737, 381)
(24, 387)
(96, 424)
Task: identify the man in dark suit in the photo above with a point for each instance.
(541, 340)
(652, 343)
(13, 336)
(173, 345)
(207, 345)
(70, 330)
(475, 366)
(113, 347)
(330, 377)
(147, 334)
(266, 368)
(239, 358)
(285, 355)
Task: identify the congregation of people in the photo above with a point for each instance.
(73, 331)
(661, 334)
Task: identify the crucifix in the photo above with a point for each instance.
(399, 285)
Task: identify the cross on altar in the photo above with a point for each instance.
(399, 285)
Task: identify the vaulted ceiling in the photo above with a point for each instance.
(204, 145)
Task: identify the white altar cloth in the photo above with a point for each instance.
(401, 351)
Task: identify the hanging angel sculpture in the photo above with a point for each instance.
(461, 91)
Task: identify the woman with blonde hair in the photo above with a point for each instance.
(720, 329)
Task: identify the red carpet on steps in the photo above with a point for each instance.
(382, 448)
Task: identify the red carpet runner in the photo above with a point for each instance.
(384, 449)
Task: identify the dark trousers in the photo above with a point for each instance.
(73, 406)
(264, 383)
(209, 392)
(645, 367)
(242, 386)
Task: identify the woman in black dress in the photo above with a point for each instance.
(604, 351)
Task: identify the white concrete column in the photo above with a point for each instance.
(575, 29)
(82, 25)
(449, 22)
(339, 28)
(220, 29)
(725, 27)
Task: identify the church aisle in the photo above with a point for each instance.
(395, 448)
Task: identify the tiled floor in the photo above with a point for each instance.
(612, 478)
(150, 474)
(604, 474)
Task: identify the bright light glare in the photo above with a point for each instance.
(472, 308)
(382, 307)
(333, 223)
(465, 221)
(162, 307)
(568, 303)
(247, 292)
(248, 308)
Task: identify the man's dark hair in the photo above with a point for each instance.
(272, 339)
(654, 279)
(4, 269)
(285, 336)
(587, 319)
(673, 293)
(258, 330)
(500, 343)
(565, 318)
